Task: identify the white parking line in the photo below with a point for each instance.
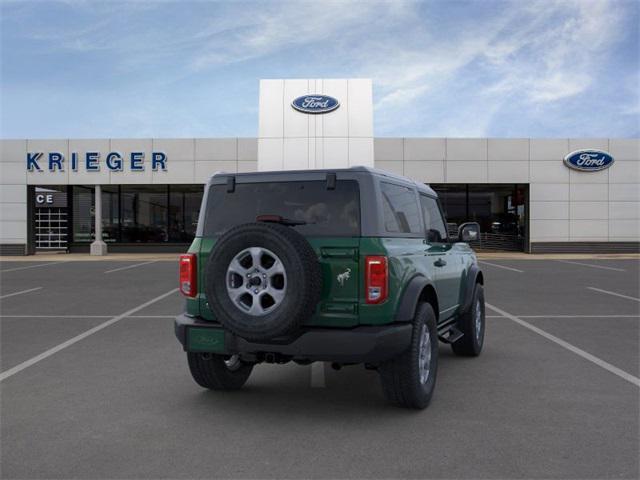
(20, 292)
(501, 266)
(57, 316)
(602, 267)
(568, 316)
(613, 293)
(317, 375)
(32, 361)
(32, 266)
(85, 316)
(579, 316)
(130, 266)
(593, 359)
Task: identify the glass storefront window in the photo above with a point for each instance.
(110, 213)
(82, 207)
(144, 214)
(453, 199)
(138, 213)
(184, 207)
(500, 209)
(84, 213)
(495, 209)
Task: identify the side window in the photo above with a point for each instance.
(436, 229)
(401, 211)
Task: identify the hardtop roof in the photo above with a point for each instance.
(264, 176)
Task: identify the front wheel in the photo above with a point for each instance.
(409, 379)
(472, 325)
(218, 372)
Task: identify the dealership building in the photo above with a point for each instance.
(528, 194)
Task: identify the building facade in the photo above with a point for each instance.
(522, 191)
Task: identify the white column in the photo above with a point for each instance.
(289, 139)
(98, 247)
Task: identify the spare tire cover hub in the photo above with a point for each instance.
(256, 281)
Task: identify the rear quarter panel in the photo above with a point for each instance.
(406, 257)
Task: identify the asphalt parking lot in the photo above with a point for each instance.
(95, 385)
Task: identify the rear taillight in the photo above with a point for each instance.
(188, 274)
(376, 278)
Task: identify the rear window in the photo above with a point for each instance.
(326, 212)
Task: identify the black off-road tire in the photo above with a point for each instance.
(400, 376)
(303, 280)
(470, 345)
(210, 371)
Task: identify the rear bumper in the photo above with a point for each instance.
(364, 344)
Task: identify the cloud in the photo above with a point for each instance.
(439, 68)
(277, 27)
(531, 54)
(555, 54)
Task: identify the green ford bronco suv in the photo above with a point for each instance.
(344, 266)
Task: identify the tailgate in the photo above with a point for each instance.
(339, 261)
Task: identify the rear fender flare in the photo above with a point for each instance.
(409, 301)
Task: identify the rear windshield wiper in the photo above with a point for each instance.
(281, 220)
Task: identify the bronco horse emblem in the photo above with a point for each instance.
(344, 276)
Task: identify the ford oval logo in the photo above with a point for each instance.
(588, 160)
(315, 104)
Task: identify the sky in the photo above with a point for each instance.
(88, 69)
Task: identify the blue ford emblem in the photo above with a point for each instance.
(315, 103)
(588, 160)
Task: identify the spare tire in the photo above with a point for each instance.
(262, 280)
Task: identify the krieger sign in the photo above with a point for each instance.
(91, 161)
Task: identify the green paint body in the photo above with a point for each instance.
(343, 304)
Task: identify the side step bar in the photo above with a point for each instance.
(449, 333)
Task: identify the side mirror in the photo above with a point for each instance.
(469, 232)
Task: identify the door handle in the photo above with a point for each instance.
(440, 263)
